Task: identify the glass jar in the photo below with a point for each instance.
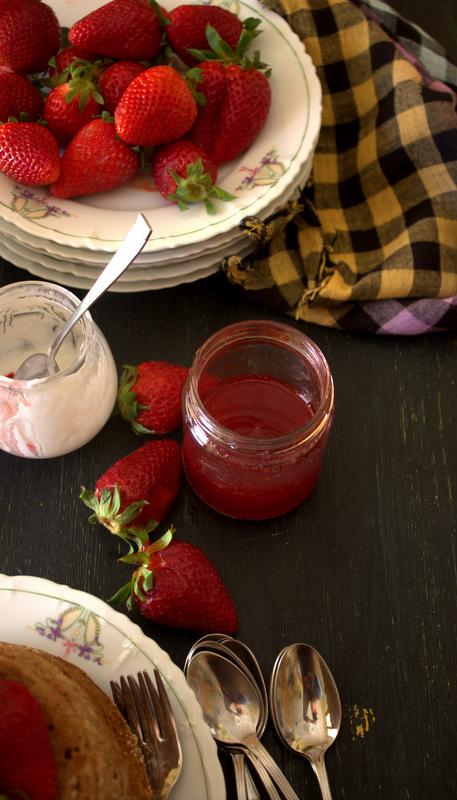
(257, 408)
(51, 416)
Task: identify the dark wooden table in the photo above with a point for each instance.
(365, 570)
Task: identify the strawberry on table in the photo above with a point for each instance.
(136, 492)
(128, 29)
(95, 160)
(71, 105)
(29, 35)
(157, 107)
(27, 765)
(18, 96)
(114, 81)
(29, 153)
(187, 28)
(184, 174)
(238, 98)
(176, 584)
(150, 396)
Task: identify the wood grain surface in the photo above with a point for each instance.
(365, 570)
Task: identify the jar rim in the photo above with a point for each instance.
(277, 333)
(86, 322)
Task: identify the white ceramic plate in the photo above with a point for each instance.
(45, 268)
(178, 256)
(106, 644)
(259, 176)
(156, 274)
(90, 269)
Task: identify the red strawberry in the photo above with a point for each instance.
(95, 161)
(157, 107)
(184, 174)
(71, 105)
(187, 29)
(114, 81)
(238, 99)
(27, 766)
(59, 63)
(29, 153)
(135, 494)
(17, 96)
(150, 396)
(177, 585)
(29, 35)
(120, 29)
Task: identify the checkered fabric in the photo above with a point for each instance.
(371, 243)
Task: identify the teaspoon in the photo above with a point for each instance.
(305, 706)
(41, 365)
(231, 706)
(213, 643)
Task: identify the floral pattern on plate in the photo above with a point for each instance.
(77, 630)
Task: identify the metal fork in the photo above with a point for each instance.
(148, 713)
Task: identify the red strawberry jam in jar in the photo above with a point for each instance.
(258, 407)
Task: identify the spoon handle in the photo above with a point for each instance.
(264, 776)
(240, 775)
(256, 747)
(319, 768)
(133, 243)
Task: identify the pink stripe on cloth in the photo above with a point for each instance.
(421, 316)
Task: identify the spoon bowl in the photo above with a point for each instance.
(43, 365)
(305, 706)
(231, 706)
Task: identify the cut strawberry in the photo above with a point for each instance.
(27, 766)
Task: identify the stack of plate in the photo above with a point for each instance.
(70, 241)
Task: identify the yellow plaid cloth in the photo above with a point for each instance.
(378, 219)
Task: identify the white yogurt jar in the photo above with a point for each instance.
(51, 416)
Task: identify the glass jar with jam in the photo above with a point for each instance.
(258, 407)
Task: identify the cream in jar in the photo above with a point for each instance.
(51, 416)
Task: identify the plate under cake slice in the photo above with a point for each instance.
(97, 757)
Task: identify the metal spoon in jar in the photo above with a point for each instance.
(305, 706)
(41, 365)
(231, 706)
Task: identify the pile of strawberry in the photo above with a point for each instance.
(174, 583)
(136, 85)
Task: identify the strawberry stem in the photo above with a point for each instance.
(106, 508)
(197, 188)
(221, 51)
(127, 404)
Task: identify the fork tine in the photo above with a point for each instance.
(161, 707)
(117, 697)
(165, 705)
(128, 697)
(149, 709)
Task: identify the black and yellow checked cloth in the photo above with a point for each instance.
(371, 244)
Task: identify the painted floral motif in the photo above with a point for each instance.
(32, 205)
(77, 630)
(266, 173)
